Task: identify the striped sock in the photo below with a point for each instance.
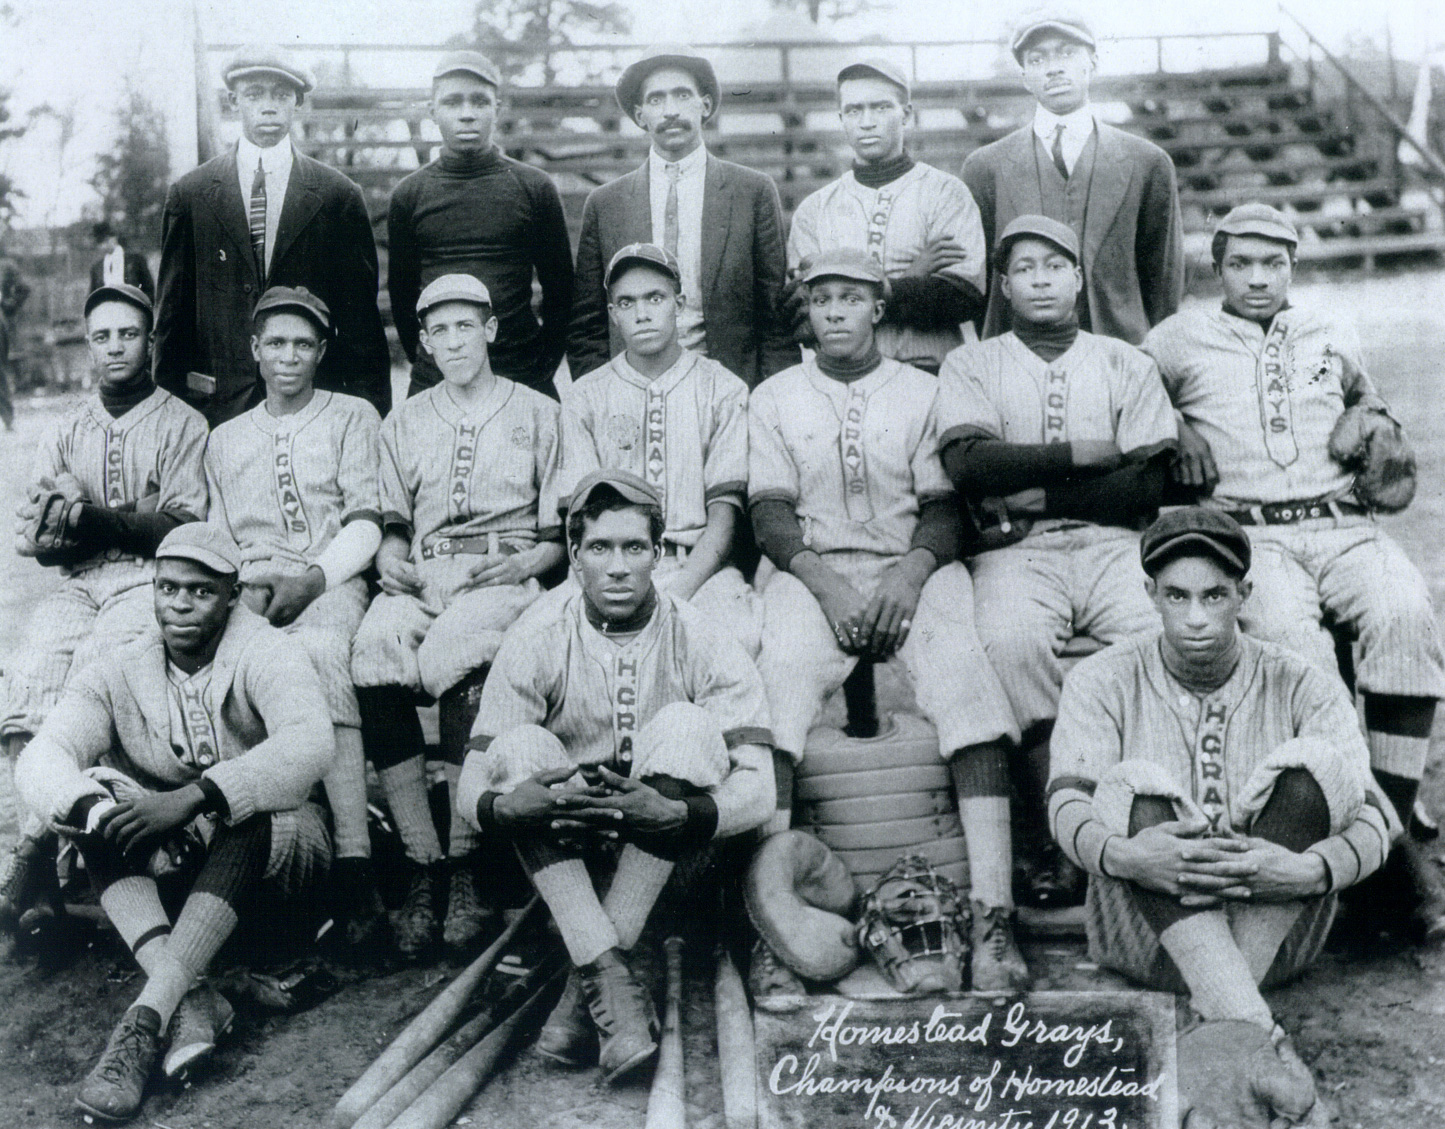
(1221, 983)
(586, 929)
(405, 787)
(463, 838)
(783, 773)
(134, 907)
(1397, 730)
(202, 928)
(980, 777)
(1260, 930)
(636, 885)
(345, 784)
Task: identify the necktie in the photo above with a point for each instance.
(257, 217)
(1058, 151)
(669, 215)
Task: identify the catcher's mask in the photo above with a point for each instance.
(914, 924)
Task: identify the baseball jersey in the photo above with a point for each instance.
(595, 693)
(150, 457)
(450, 472)
(193, 729)
(686, 433)
(1265, 402)
(894, 224)
(856, 460)
(283, 486)
(1123, 703)
(1101, 389)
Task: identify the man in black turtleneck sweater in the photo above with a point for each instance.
(475, 211)
(127, 464)
(1059, 441)
(919, 222)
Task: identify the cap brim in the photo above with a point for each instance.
(626, 490)
(297, 308)
(640, 261)
(115, 294)
(845, 273)
(1078, 35)
(1263, 229)
(463, 68)
(213, 561)
(301, 83)
(1202, 543)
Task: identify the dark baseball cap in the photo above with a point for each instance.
(1259, 219)
(632, 488)
(204, 543)
(119, 292)
(298, 299)
(1061, 235)
(1195, 531)
(645, 254)
(468, 62)
(843, 262)
(885, 69)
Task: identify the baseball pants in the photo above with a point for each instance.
(325, 629)
(1033, 597)
(956, 687)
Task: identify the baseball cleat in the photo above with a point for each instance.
(202, 1018)
(113, 1090)
(998, 966)
(568, 1036)
(623, 1013)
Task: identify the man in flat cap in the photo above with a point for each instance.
(257, 216)
(919, 222)
(722, 222)
(1117, 191)
(619, 728)
(1285, 430)
(187, 755)
(1217, 791)
(476, 211)
(119, 471)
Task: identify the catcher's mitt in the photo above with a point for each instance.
(45, 522)
(1231, 1076)
(914, 925)
(1370, 443)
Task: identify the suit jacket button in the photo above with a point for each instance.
(246, 287)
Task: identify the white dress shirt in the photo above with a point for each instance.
(1077, 127)
(692, 175)
(277, 161)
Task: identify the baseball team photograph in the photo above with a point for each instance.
(777, 565)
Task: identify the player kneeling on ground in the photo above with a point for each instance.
(850, 502)
(470, 519)
(1285, 431)
(1218, 791)
(119, 472)
(198, 742)
(294, 481)
(618, 725)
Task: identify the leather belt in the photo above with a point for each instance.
(478, 545)
(1288, 513)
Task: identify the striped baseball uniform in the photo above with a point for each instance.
(894, 224)
(597, 694)
(147, 459)
(686, 433)
(1127, 727)
(855, 461)
(283, 487)
(447, 475)
(1266, 403)
(1065, 577)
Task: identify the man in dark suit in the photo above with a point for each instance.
(258, 216)
(117, 265)
(722, 221)
(1117, 191)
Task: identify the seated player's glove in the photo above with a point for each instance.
(45, 519)
(1231, 1076)
(1370, 443)
(793, 311)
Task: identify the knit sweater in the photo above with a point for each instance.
(497, 219)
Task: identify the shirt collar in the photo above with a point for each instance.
(689, 165)
(1076, 124)
(276, 159)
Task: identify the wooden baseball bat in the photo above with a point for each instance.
(424, 1031)
(395, 1101)
(449, 1094)
(735, 1051)
(665, 1106)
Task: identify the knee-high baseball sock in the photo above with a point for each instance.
(567, 889)
(1260, 930)
(9, 798)
(636, 885)
(980, 777)
(405, 787)
(1397, 730)
(1221, 983)
(200, 931)
(345, 784)
(134, 907)
(463, 838)
(782, 817)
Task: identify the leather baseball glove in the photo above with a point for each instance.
(1232, 1076)
(45, 518)
(1370, 443)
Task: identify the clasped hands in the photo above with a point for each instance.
(607, 807)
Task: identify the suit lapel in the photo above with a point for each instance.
(303, 200)
(1018, 181)
(224, 197)
(717, 203)
(1110, 184)
(637, 223)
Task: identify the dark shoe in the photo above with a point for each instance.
(468, 917)
(1427, 880)
(27, 876)
(568, 1036)
(203, 1017)
(622, 1012)
(114, 1089)
(360, 914)
(772, 984)
(415, 926)
(998, 966)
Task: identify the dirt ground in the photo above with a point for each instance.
(1370, 1020)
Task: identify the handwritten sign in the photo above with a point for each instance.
(1050, 1060)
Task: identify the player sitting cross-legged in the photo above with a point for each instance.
(677, 420)
(188, 753)
(294, 482)
(850, 502)
(469, 516)
(1218, 792)
(621, 723)
(119, 471)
